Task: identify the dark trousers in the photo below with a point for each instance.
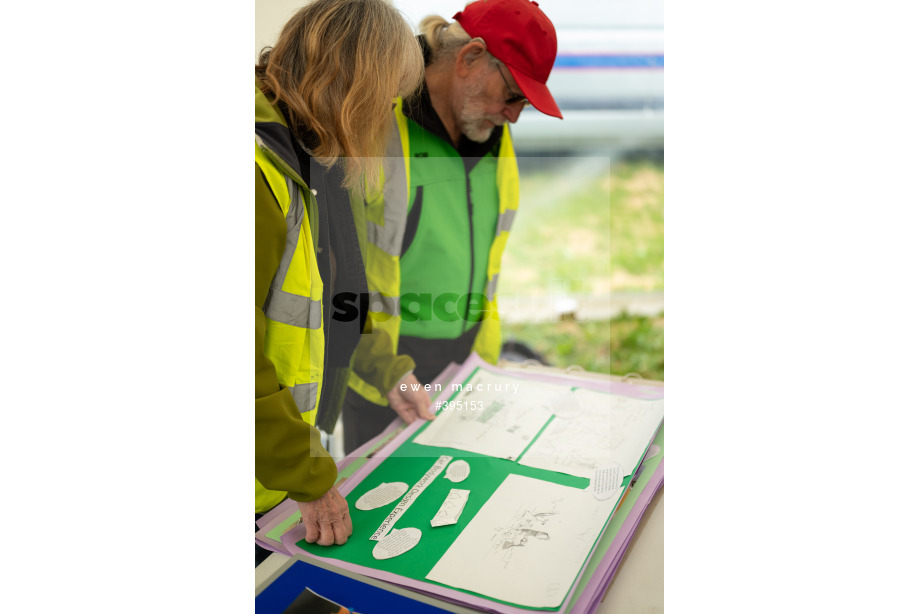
(363, 420)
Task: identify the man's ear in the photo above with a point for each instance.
(468, 55)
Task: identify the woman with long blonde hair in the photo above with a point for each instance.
(323, 102)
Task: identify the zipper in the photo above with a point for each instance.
(327, 283)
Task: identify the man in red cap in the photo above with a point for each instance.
(434, 249)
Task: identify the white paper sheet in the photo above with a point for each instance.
(567, 405)
(384, 494)
(494, 415)
(410, 498)
(527, 544)
(611, 429)
(457, 471)
(450, 510)
(396, 543)
(606, 481)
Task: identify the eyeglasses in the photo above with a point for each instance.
(515, 98)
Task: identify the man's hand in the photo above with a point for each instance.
(326, 519)
(410, 404)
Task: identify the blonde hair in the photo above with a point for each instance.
(337, 66)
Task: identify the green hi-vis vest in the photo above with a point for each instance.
(446, 263)
(294, 338)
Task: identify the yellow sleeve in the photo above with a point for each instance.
(375, 362)
(288, 453)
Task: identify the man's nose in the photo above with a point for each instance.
(513, 111)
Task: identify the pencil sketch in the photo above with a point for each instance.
(529, 541)
(450, 510)
(527, 525)
(611, 429)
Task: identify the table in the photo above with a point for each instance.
(637, 587)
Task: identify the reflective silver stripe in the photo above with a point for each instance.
(504, 221)
(282, 306)
(396, 198)
(491, 287)
(305, 396)
(293, 309)
(381, 303)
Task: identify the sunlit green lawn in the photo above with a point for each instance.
(593, 228)
(625, 344)
(588, 226)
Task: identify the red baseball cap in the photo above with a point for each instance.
(519, 34)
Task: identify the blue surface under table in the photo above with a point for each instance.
(359, 595)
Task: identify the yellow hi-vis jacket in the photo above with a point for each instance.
(290, 340)
(293, 331)
(386, 224)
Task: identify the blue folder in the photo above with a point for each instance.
(359, 594)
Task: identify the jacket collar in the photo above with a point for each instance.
(274, 136)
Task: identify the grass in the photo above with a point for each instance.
(587, 226)
(624, 344)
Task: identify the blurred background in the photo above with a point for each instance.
(583, 274)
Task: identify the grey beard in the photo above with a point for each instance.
(473, 115)
(474, 132)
